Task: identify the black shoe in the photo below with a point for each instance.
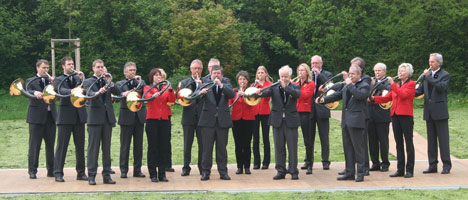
(91, 181)
(384, 169)
(256, 166)
(445, 171)
(397, 174)
(108, 180)
(205, 177)
(112, 171)
(138, 174)
(360, 179)
(366, 172)
(326, 165)
(430, 170)
(154, 179)
(247, 171)
(294, 177)
(264, 166)
(304, 166)
(342, 172)
(185, 172)
(409, 174)
(59, 179)
(163, 179)
(50, 174)
(279, 176)
(309, 170)
(123, 175)
(81, 177)
(32, 176)
(345, 177)
(239, 171)
(170, 169)
(375, 168)
(224, 177)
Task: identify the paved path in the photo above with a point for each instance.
(16, 181)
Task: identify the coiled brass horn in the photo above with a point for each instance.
(135, 101)
(329, 90)
(186, 92)
(79, 94)
(252, 98)
(138, 87)
(375, 92)
(17, 88)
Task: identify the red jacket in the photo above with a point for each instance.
(402, 98)
(159, 108)
(241, 110)
(304, 101)
(263, 108)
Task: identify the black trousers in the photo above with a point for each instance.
(285, 136)
(378, 142)
(38, 132)
(98, 134)
(64, 134)
(263, 121)
(323, 125)
(189, 133)
(126, 134)
(307, 135)
(210, 136)
(158, 132)
(242, 131)
(437, 131)
(403, 133)
(354, 144)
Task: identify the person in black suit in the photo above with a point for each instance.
(354, 95)
(435, 89)
(378, 125)
(41, 118)
(215, 121)
(319, 116)
(70, 119)
(358, 61)
(190, 116)
(101, 119)
(285, 120)
(131, 123)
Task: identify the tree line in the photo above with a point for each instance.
(243, 34)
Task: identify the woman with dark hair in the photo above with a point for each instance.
(243, 120)
(303, 107)
(262, 112)
(158, 126)
(402, 95)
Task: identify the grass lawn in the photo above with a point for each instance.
(382, 194)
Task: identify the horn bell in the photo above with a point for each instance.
(132, 101)
(182, 97)
(16, 86)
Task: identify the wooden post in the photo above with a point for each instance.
(53, 57)
(77, 54)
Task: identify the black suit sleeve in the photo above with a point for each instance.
(360, 92)
(293, 90)
(440, 84)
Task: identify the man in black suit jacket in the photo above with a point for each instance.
(354, 95)
(285, 119)
(41, 118)
(190, 116)
(215, 121)
(101, 119)
(131, 123)
(70, 119)
(320, 117)
(378, 124)
(435, 89)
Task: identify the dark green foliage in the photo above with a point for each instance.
(243, 34)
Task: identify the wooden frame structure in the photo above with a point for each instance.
(76, 48)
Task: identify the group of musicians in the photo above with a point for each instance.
(301, 101)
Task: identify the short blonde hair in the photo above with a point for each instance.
(408, 67)
(268, 77)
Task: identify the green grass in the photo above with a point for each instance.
(378, 194)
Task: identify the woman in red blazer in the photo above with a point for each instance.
(304, 107)
(243, 119)
(262, 113)
(402, 95)
(158, 127)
